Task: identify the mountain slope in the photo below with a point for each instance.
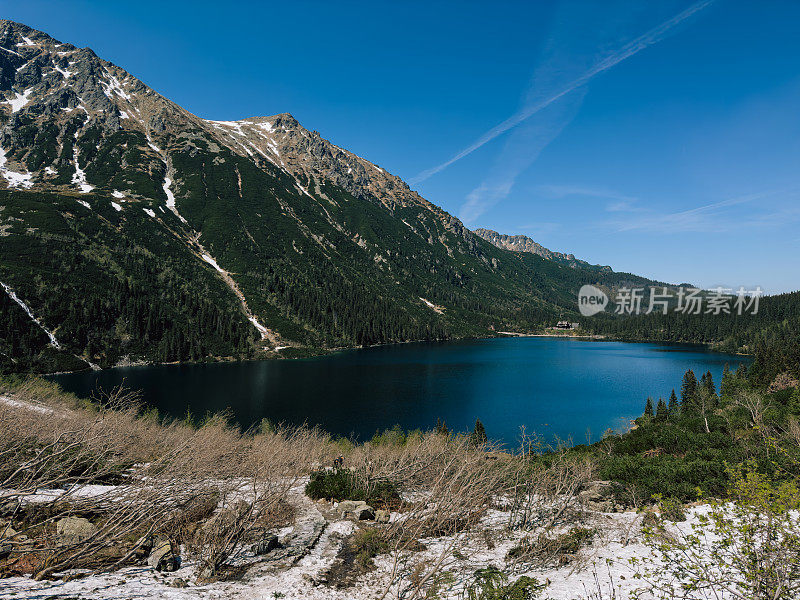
(522, 243)
(132, 229)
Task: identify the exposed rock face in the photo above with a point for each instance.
(522, 243)
(69, 93)
(72, 530)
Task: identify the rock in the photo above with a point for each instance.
(382, 516)
(269, 543)
(179, 582)
(72, 530)
(350, 505)
(363, 513)
(357, 509)
(162, 558)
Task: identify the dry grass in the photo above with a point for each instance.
(217, 489)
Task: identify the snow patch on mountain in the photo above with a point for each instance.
(13, 178)
(19, 100)
(79, 177)
(29, 312)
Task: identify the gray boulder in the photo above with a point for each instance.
(163, 558)
(363, 513)
(266, 545)
(72, 530)
(350, 505)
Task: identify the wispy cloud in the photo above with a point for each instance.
(751, 211)
(637, 45)
(616, 202)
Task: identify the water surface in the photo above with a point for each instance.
(556, 387)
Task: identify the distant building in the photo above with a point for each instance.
(563, 325)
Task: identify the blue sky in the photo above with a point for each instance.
(662, 138)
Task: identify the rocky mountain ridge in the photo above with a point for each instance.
(522, 243)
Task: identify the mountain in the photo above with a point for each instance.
(131, 229)
(522, 243)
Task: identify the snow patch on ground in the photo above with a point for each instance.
(149, 212)
(432, 306)
(123, 115)
(116, 206)
(171, 198)
(8, 401)
(13, 178)
(79, 177)
(117, 194)
(29, 312)
(50, 170)
(19, 101)
(26, 42)
(213, 263)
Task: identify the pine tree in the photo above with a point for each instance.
(710, 389)
(648, 408)
(479, 437)
(727, 381)
(688, 388)
(673, 408)
(661, 410)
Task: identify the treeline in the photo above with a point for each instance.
(776, 322)
(685, 445)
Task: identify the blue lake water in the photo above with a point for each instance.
(556, 387)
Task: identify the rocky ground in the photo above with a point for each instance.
(310, 561)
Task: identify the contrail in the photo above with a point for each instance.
(640, 43)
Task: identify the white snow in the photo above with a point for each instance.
(50, 170)
(113, 86)
(116, 206)
(149, 212)
(261, 329)
(8, 401)
(65, 73)
(13, 178)
(265, 126)
(117, 194)
(29, 312)
(171, 198)
(19, 101)
(79, 177)
(85, 203)
(168, 192)
(12, 52)
(213, 263)
(26, 41)
(152, 145)
(123, 115)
